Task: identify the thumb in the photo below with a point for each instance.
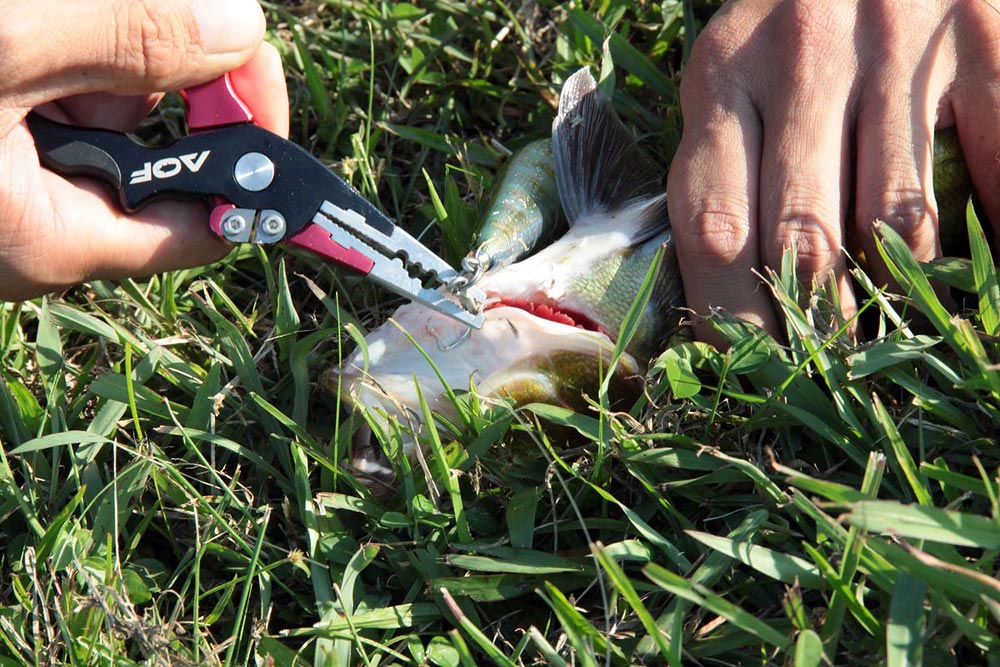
(123, 46)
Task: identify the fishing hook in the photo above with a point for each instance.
(455, 343)
(473, 267)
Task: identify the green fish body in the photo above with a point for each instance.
(524, 211)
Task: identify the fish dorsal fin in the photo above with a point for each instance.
(598, 166)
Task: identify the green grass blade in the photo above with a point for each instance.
(521, 512)
(776, 565)
(624, 54)
(984, 272)
(548, 652)
(808, 649)
(846, 598)
(526, 563)
(889, 353)
(470, 629)
(286, 317)
(624, 586)
(901, 454)
(925, 523)
(904, 637)
(409, 615)
(703, 597)
(587, 642)
(445, 473)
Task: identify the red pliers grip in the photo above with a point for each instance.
(265, 189)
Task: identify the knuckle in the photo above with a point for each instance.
(716, 236)
(817, 21)
(815, 241)
(982, 22)
(718, 55)
(908, 211)
(152, 40)
(711, 71)
(888, 40)
(717, 45)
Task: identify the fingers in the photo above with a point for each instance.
(103, 110)
(67, 47)
(261, 84)
(775, 108)
(894, 180)
(90, 238)
(805, 165)
(895, 151)
(979, 133)
(62, 233)
(976, 101)
(170, 235)
(805, 175)
(766, 161)
(75, 231)
(712, 197)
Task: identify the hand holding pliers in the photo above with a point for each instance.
(265, 190)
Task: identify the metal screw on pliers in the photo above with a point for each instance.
(273, 225)
(233, 225)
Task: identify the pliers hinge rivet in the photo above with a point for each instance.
(254, 171)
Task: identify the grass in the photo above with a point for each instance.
(172, 488)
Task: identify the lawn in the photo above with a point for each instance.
(173, 487)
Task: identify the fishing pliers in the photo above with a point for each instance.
(263, 189)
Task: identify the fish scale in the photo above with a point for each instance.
(612, 285)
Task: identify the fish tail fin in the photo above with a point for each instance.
(599, 168)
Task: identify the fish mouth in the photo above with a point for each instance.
(524, 336)
(552, 312)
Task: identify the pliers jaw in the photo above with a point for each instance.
(401, 263)
(265, 190)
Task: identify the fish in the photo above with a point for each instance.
(552, 316)
(524, 211)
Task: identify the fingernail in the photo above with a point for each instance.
(227, 26)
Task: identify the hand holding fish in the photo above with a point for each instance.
(796, 110)
(98, 65)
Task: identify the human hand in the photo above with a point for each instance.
(792, 106)
(99, 64)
